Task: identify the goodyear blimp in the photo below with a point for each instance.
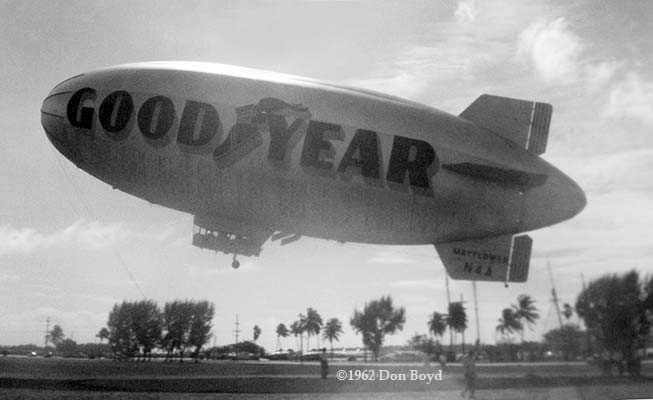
(257, 155)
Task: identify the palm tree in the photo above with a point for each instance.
(256, 332)
(298, 328)
(508, 323)
(313, 325)
(525, 310)
(331, 331)
(457, 319)
(567, 311)
(377, 319)
(55, 336)
(282, 332)
(103, 334)
(437, 324)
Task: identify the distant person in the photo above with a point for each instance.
(427, 360)
(635, 364)
(619, 362)
(443, 360)
(606, 363)
(469, 365)
(324, 363)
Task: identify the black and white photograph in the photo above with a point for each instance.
(326, 199)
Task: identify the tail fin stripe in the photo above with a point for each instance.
(540, 128)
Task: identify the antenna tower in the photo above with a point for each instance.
(554, 295)
(237, 330)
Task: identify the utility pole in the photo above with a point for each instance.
(47, 331)
(461, 304)
(446, 279)
(587, 331)
(554, 295)
(478, 325)
(237, 330)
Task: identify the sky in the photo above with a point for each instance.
(71, 246)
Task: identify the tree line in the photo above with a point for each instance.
(377, 319)
(616, 309)
(135, 329)
(617, 313)
(311, 324)
(67, 347)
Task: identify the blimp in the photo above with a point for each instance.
(256, 156)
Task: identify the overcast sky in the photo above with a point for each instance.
(71, 247)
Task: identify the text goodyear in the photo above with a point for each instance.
(412, 162)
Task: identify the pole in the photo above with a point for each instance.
(587, 331)
(47, 331)
(446, 279)
(554, 295)
(463, 333)
(237, 331)
(478, 325)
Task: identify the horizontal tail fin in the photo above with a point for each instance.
(503, 176)
(524, 122)
(498, 259)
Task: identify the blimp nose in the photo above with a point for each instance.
(559, 199)
(53, 115)
(54, 119)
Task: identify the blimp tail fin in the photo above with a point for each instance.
(521, 179)
(521, 121)
(500, 258)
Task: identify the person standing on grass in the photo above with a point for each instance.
(324, 364)
(469, 365)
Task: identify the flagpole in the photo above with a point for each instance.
(478, 325)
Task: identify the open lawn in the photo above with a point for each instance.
(599, 392)
(38, 367)
(22, 377)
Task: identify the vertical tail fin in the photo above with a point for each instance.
(523, 122)
(498, 259)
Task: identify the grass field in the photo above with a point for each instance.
(32, 378)
(598, 392)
